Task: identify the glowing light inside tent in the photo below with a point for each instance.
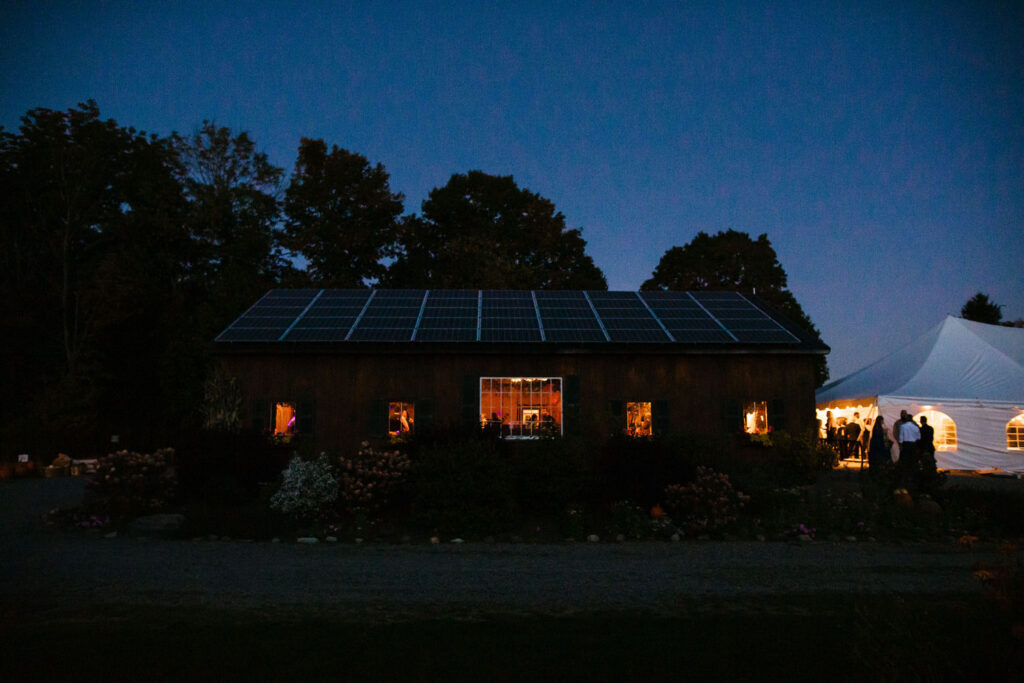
(1015, 433)
(945, 429)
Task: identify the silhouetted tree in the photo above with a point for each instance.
(483, 231)
(341, 215)
(981, 310)
(733, 261)
(92, 228)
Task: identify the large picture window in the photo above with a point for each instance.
(521, 406)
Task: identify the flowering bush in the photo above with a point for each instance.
(126, 484)
(308, 488)
(368, 479)
(706, 504)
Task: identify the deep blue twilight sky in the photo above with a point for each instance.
(879, 145)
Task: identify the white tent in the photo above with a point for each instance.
(967, 377)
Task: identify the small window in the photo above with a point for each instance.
(284, 419)
(521, 406)
(945, 429)
(638, 419)
(1015, 433)
(755, 417)
(401, 418)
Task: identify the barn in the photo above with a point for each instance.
(342, 366)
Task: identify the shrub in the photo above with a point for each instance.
(367, 479)
(628, 519)
(550, 475)
(127, 484)
(639, 469)
(803, 457)
(462, 488)
(308, 489)
(706, 504)
(219, 466)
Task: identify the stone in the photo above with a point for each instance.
(761, 538)
(929, 508)
(331, 539)
(309, 540)
(804, 538)
(275, 539)
(675, 538)
(434, 540)
(851, 539)
(357, 541)
(456, 540)
(593, 538)
(112, 534)
(620, 538)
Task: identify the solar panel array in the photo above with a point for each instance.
(398, 315)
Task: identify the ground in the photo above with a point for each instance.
(463, 607)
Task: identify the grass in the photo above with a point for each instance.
(795, 638)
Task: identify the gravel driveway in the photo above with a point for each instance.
(46, 570)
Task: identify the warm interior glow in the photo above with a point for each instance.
(945, 429)
(638, 419)
(755, 417)
(864, 415)
(521, 406)
(284, 419)
(1015, 433)
(401, 417)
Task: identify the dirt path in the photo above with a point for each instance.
(44, 571)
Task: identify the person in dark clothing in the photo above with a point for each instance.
(926, 453)
(879, 456)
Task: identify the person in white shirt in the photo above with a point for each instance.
(908, 434)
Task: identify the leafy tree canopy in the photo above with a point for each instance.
(733, 261)
(981, 310)
(484, 231)
(341, 215)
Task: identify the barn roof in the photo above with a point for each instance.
(352, 319)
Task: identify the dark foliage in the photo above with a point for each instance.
(731, 260)
(484, 232)
(982, 310)
(224, 466)
(341, 215)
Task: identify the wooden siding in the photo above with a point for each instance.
(341, 388)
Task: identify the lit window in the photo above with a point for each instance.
(755, 417)
(945, 429)
(638, 419)
(284, 419)
(1015, 433)
(521, 406)
(401, 418)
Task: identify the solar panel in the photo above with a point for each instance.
(565, 316)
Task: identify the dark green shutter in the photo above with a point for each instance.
(732, 416)
(660, 417)
(424, 414)
(260, 413)
(377, 421)
(777, 414)
(470, 400)
(615, 408)
(571, 406)
(306, 418)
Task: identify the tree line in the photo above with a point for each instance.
(124, 254)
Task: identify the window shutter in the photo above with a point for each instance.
(424, 414)
(660, 417)
(305, 421)
(260, 413)
(470, 400)
(571, 406)
(615, 408)
(378, 418)
(732, 416)
(777, 414)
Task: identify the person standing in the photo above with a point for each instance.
(879, 455)
(926, 451)
(853, 430)
(909, 436)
